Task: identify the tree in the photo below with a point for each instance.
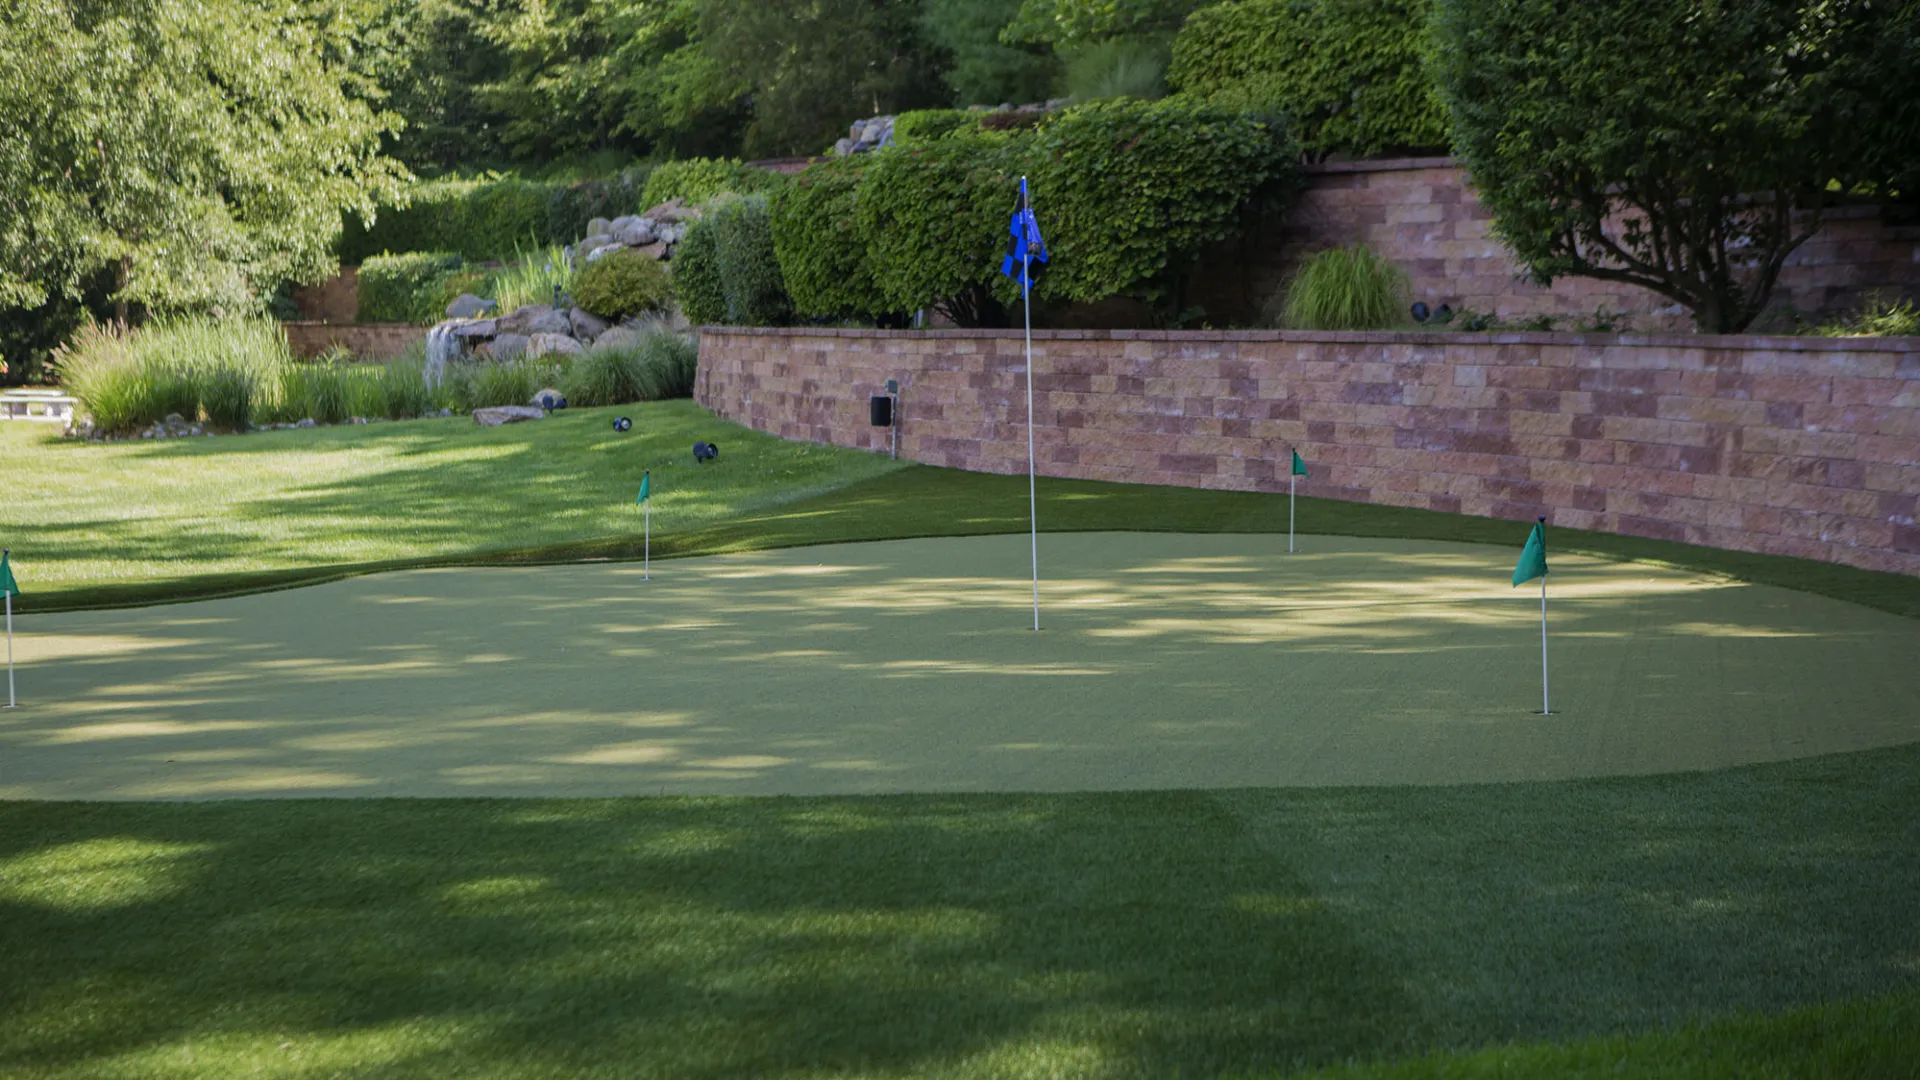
(1070, 23)
(812, 66)
(201, 152)
(986, 71)
(1684, 146)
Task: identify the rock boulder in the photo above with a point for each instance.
(545, 344)
(507, 414)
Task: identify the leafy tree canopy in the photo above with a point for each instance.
(1685, 146)
(203, 151)
(1068, 23)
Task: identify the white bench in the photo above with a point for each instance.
(46, 406)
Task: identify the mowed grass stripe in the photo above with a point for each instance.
(1116, 935)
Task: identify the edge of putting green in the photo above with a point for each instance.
(922, 501)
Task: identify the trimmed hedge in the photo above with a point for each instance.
(412, 288)
(750, 279)
(934, 219)
(817, 238)
(484, 220)
(696, 276)
(699, 179)
(1127, 192)
(1347, 74)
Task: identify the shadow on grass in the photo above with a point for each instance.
(1117, 935)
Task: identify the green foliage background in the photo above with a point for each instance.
(1347, 75)
(413, 288)
(1686, 149)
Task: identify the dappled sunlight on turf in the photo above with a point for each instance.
(1165, 661)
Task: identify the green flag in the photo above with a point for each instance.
(646, 486)
(7, 584)
(1533, 557)
(1299, 467)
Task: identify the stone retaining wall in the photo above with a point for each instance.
(366, 341)
(1423, 214)
(1794, 446)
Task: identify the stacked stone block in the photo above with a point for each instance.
(1794, 446)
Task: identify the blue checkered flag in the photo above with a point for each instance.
(1024, 246)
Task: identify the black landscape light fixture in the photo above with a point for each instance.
(883, 411)
(1420, 312)
(704, 452)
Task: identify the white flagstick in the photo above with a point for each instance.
(1544, 711)
(646, 543)
(10, 701)
(1033, 499)
(1292, 482)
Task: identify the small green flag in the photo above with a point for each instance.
(7, 584)
(1299, 467)
(646, 486)
(1533, 557)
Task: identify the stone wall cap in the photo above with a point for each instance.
(1766, 342)
(1321, 168)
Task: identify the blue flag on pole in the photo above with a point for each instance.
(1024, 247)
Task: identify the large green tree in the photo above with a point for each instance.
(201, 152)
(1685, 146)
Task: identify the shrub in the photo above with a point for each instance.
(926, 125)
(1684, 148)
(750, 281)
(414, 288)
(477, 220)
(696, 276)
(1349, 288)
(1128, 193)
(622, 283)
(1348, 75)
(699, 179)
(817, 238)
(1118, 67)
(934, 219)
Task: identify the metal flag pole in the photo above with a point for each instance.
(1544, 710)
(11, 702)
(1293, 482)
(1033, 498)
(646, 544)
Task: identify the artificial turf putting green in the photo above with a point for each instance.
(1213, 661)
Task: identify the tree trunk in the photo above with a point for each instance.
(121, 275)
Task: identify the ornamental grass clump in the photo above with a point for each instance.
(659, 365)
(532, 279)
(1349, 288)
(127, 379)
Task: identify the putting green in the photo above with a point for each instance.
(1166, 661)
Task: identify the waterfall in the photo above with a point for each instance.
(442, 347)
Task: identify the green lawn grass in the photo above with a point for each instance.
(93, 524)
(1115, 935)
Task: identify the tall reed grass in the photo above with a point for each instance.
(531, 278)
(660, 364)
(1349, 288)
(127, 379)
